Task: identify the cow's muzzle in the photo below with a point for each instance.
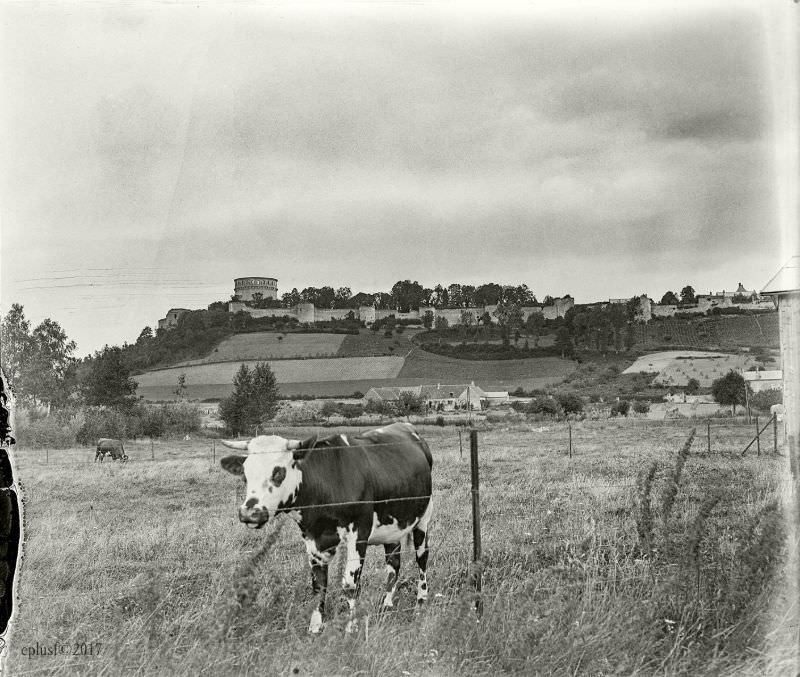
(253, 518)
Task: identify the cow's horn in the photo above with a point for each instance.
(238, 444)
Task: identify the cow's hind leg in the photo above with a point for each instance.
(356, 549)
(420, 537)
(319, 561)
(393, 551)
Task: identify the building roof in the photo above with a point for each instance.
(444, 392)
(773, 375)
(787, 279)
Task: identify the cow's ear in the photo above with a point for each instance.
(304, 447)
(233, 464)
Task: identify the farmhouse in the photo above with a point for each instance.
(764, 380)
(435, 397)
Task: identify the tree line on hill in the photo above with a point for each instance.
(405, 296)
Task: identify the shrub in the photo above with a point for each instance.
(440, 421)
(692, 386)
(378, 407)
(620, 408)
(545, 405)
(57, 431)
(764, 399)
(570, 403)
(641, 407)
(101, 422)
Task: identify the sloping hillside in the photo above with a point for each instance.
(723, 331)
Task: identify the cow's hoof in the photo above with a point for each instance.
(316, 624)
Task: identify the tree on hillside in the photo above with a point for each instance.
(39, 363)
(564, 342)
(427, 319)
(692, 386)
(109, 380)
(15, 347)
(730, 389)
(254, 399)
(669, 299)
(533, 326)
(509, 317)
(687, 295)
(52, 366)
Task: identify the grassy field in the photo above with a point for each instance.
(270, 345)
(148, 559)
(504, 373)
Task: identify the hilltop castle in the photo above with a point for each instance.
(250, 289)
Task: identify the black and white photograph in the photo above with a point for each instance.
(418, 339)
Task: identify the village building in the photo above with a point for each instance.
(435, 397)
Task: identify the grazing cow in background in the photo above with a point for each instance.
(111, 447)
(370, 489)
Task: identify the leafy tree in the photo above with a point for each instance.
(254, 399)
(730, 389)
(39, 364)
(441, 322)
(145, 335)
(342, 298)
(534, 325)
(692, 386)
(687, 295)
(15, 347)
(455, 296)
(407, 295)
(52, 366)
(669, 299)
(427, 319)
(109, 380)
(180, 387)
(548, 301)
(764, 399)
(291, 298)
(488, 294)
(409, 403)
(564, 342)
(571, 403)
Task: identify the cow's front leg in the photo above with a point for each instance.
(356, 549)
(392, 551)
(318, 559)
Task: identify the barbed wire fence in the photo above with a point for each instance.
(565, 440)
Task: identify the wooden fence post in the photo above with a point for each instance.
(570, 439)
(775, 433)
(214, 452)
(476, 521)
(758, 439)
(152, 451)
(47, 455)
(460, 446)
(708, 423)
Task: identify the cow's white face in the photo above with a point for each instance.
(272, 475)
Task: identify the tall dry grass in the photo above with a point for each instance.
(149, 559)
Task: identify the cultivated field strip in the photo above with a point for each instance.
(148, 556)
(286, 371)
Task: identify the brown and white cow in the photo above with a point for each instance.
(370, 489)
(111, 447)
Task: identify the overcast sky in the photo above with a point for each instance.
(153, 152)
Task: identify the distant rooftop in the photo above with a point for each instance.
(786, 279)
